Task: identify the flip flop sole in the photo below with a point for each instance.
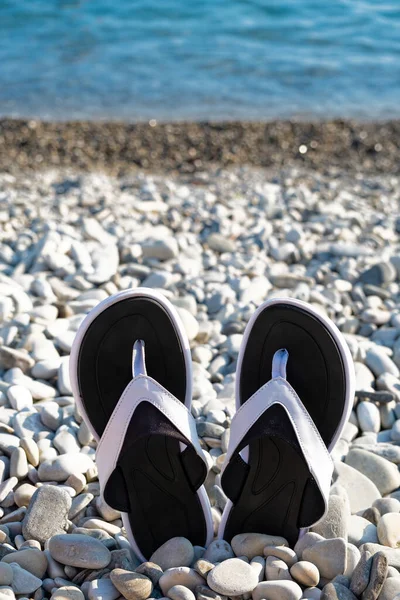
(277, 494)
(152, 484)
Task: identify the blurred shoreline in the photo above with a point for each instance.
(117, 148)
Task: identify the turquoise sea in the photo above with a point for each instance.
(199, 60)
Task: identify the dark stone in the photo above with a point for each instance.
(381, 273)
(367, 329)
(203, 592)
(361, 574)
(377, 578)
(151, 570)
(336, 591)
(233, 327)
(5, 549)
(374, 290)
(372, 514)
(382, 397)
(97, 574)
(123, 559)
(342, 580)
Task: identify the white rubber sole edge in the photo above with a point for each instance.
(348, 368)
(73, 373)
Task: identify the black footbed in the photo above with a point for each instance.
(275, 493)
(154, 482)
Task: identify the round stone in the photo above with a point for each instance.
(180, 576)
(286, 554)
(305, 573)
(47, 514)
(218, 551)
(67, 592)
(253, 544)
(329, 556)
(60, 468)
(80, 551)
(176, 552)
(387, 505)
(384, 474)
(368, 417)
(20, 397)
(133, 586)
(23, 494)
(277, 590)
(102, 589)
(233, 577)
(276, 569)
(389, 530)
(151, 570)
(219, 243)
(180, 592)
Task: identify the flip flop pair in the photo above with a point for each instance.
(131, 376)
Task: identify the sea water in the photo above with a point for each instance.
(199, 59)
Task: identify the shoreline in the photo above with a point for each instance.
(117, 148)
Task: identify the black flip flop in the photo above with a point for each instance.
(278, 469)
(131, 376)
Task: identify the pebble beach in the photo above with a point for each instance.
(217, 238)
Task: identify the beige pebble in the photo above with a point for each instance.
(286, 554)
(31, 450)
(253, 544)
(276, 569)
(176, 552)
(277, 590)
(180, 592)
(389, 530)
(67, 592)
(23, 494)
(100, 524)
(203, 567)
(180, 576)
(77, 482)
(133, 586)
(305, 573)
(233, 577)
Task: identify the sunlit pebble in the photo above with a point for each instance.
(303, 149)
(313, 144)
(378, 147)
(152, 122)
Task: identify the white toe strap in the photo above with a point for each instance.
(141, 389)
(279, 391)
